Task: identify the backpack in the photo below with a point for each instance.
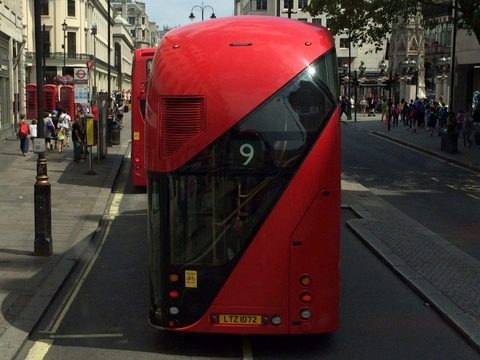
(23, 132)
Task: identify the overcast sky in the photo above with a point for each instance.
(176, 12)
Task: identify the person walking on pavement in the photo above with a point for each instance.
(77, 139)
(65, 122)
(33, 132)
(49, 130)
(467, 130)
(23, 132)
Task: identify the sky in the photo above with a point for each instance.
(176, 12)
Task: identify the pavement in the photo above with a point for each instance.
(28, 283)
(447, 278)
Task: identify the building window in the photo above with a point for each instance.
(72, 45)
(261, 4)
(302, 4)
(71, 8)
(131, 20)
(317, 22)
(302, 19)
(46, 43)
(344, 43)
(143, 20)
(286, 4)
(143, 34)
(44, 7)
(133, 33)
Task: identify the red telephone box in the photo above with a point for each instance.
(67, 99)
(31, 101)
(49, 97)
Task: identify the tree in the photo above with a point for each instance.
(371, 21)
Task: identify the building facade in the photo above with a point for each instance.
(138, 24)
(352, 59)
(12, 45)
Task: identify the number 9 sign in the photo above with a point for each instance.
(247, 151)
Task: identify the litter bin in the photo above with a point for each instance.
(443, 141)
(452, 142)
(115, 134)
(449, 142)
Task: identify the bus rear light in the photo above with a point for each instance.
(276, 320)
(173, 310)
(173, 278)
(136, 160)
(306, 297)
(137, 167)
(305, 314)
(305, 280)
(174, 294)
(172, 323)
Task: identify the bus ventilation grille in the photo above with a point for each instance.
(182, 120)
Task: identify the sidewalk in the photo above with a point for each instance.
(447, 278)
(78, 202)
(468, 157)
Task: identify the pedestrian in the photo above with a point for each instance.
(363, 106)
(467, 130)
(65, 122)
(395, 111)
(23, 133)
(384, 109)
(33, 132)
(77, 139)
(49, 130)
(60, 139)
(344, 104)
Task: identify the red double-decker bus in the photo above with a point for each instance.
(142, 63)
(243, 165)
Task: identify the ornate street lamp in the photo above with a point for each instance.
(64, 28)
(202, 9)
(362, 68)
(94, 33)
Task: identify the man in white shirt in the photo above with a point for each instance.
(65, 121)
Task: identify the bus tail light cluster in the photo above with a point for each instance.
(173, 294)
(305, 296)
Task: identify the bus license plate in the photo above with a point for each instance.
(239, 319)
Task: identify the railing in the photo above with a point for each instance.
(59, 56)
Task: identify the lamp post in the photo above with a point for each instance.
(441, 77)
(382, 66)
(43, 243)
(410, 72)
(64, 28)
(94, 33)
(202, 9)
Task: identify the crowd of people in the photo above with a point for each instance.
(60, 129)
(431, 115)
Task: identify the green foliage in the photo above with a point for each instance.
(371, 21)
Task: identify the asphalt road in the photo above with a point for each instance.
(102, 312)
(443, 197)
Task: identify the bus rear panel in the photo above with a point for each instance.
(142, 63)
(243, 162)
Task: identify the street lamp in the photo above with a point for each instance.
(410, 72)
(382, 76)
(94, 33)
(202, 9)
(64, 28)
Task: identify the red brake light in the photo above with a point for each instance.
(174, 294)
(306, 297)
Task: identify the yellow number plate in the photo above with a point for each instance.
(239, 319)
